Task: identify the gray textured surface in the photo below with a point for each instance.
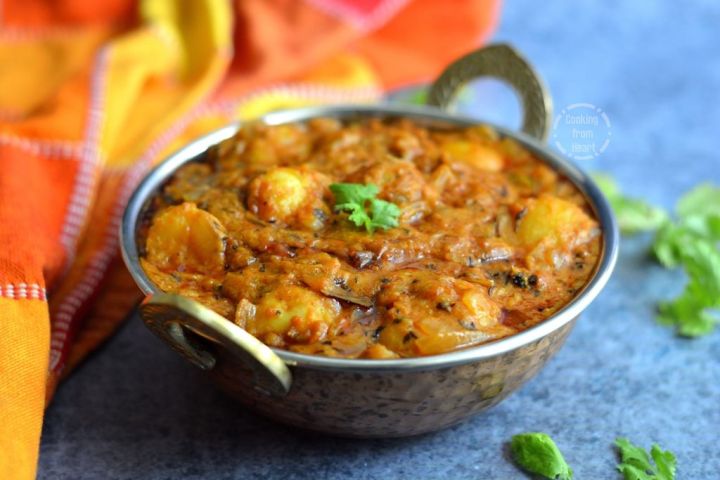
(136, 411)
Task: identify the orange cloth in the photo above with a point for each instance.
(92, 93)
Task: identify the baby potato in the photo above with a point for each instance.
(291, 197)
(296, 313)
(552, 227)
(277, 194)
(186, 239)
(473, 154)
(553, 220)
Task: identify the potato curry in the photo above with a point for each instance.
(459, 237)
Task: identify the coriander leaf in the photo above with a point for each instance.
(607, 184)
(703, 200)
(690, 311)
(631, 472)
(632, 454)
(633, 215)
(668, 244)
(537, 453)
(635, 462)
(665, 462)
(357, 213)
(691, 242)
(705, 226)
(384, 214)
(698, 214)
(354, 197)
(636, 216)
(351, 198)
(699, 211)
(353, 193)
(688, 315)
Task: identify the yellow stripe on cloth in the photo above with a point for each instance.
(342, 79)
(24, 339)
(161, 72)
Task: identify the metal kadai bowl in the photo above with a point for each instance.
(360, 397)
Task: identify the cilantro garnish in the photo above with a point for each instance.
(537, 453)
(635, 462)
(365, 210)
(690, 241)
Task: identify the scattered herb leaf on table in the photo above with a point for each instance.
(636, 464)
(537, 453)
(690, 241)
(633, 215)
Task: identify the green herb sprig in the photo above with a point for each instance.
(689, 241)
(633, 215)
(635, 462)
(364, 208)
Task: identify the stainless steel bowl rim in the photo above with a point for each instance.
(606, 262)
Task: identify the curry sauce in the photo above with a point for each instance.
(489, 240)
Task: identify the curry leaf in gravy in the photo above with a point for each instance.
(364, 208)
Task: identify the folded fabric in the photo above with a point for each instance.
(93, 93)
